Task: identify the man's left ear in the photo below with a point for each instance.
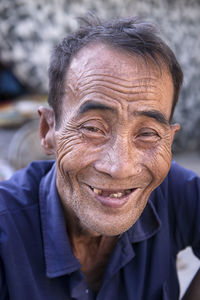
(47, 130)
(174, 129)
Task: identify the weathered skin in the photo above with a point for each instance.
(124, 146)
(112, 150)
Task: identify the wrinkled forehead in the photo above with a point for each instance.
(105, 60)
(100, 72)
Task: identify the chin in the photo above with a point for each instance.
(96, 229)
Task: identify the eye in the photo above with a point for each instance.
(148, 135)
(92, 129)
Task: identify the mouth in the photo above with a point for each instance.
(112, 198)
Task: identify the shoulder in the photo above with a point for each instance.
(180, 186)
(182, 173)
(184, 207)
(181, 180)
(179, 194)
(22, 188)
(178, 179)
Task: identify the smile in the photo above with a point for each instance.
(112, 194)
(112, 198)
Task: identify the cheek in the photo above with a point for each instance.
(164, 151)
(73, 153)
(159, 160)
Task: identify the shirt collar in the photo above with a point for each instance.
(147, 225)
(59, 257)
(58, 253)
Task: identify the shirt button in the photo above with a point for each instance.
(86, 291)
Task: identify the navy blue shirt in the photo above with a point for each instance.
(37, 261)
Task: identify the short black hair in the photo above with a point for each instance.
(130, 34)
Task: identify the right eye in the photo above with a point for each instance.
(92, 129)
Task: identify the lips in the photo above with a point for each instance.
(112, 198)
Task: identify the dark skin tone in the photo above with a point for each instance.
(93, 254)
(112, 146)
(92, 251)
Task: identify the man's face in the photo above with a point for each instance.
(113, 145)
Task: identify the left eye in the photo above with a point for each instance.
(148, 133)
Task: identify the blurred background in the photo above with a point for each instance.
(28, 31)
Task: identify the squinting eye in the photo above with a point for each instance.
(148, 135)
(92, 129)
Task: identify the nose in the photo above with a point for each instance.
(120, 159)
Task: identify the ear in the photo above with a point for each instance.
(47, 130)
(174, 128)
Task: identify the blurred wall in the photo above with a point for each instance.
(30, 28)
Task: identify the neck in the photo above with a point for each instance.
(82, 237)
(91, 249)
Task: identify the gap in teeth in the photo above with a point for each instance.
(113, 195)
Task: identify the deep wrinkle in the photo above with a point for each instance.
(119, 86)
(131, 94)
(84, 86)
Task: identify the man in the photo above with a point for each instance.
(107, 220)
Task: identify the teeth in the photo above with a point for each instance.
(119, 194)
(97, 191)
(112, 195)
(116, 195)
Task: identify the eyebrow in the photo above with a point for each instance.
(154, 114)
(91, 105)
